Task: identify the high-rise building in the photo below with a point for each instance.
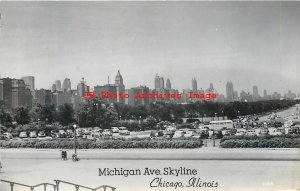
(15, 94)
(43, 97)
(29, 82)
(133, 101)
(235, 95)
(58, 85)
(120, 87)
(66, 87)
(255, 93)
(53, 88)
(21, 96)
(61, 98)
(290, 95)
(276, 96)
(168, 84)
(194, 85)
(110, 88)
(265, 94)
(82, 88)
(7, 93)
(159, 83)
(229, 92)
(246, 97)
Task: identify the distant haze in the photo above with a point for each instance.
(248, 43)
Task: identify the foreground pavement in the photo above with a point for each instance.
(232, 169)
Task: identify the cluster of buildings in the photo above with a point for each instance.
(232, 95)
(16, 93)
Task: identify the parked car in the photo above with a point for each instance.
(178, 134)
(62, 134)
(41, 134)
(23, 134)
(189, 134)
(70, 133)
(115, 129)
(123, 131)
(250, 132)
(107, 132)
(32, 134)
(7, 135)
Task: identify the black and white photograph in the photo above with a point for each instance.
(149, 95)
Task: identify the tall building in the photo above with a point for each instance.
(82, 88)
(246, 97)
(290, 95)
(61, 98)
(29, 82)
(7, 93)
(43, 97)
(110, 88)
(265, 94)
(235, 95)
(133, 101)
(53, 88)
(168, 84)
(255, 93)
(194, 85)
(159, 83)
(276, 96)
(66, 87)
(229, 92)
(58, 85)
(21, 96)
(120, 87)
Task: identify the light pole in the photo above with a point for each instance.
(75, 137)
(214, 142)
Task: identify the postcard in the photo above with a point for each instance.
(149, 96)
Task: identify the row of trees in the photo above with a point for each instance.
(48, 114)
(97, 113)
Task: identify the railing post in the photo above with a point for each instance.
(104, 188)
(12, 186)
(57, 185)
(31, 188)
(113, 189)
(76, 187)
(54, 188)
(45, 187)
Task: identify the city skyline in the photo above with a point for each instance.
(230, 94)
(253, 43)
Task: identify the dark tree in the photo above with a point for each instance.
(22, 115)
(65, 114)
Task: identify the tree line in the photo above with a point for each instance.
(98, 113)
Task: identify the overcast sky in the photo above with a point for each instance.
(253, 43)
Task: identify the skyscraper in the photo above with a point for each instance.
(255, 93)
(58, 85)
(82, 88)
(159, 83)
(265, 94)
(20, 95)
(194, 85)
(120, 87)
(29, 82)
(168, 84)
(229, 92)
(66, 87)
